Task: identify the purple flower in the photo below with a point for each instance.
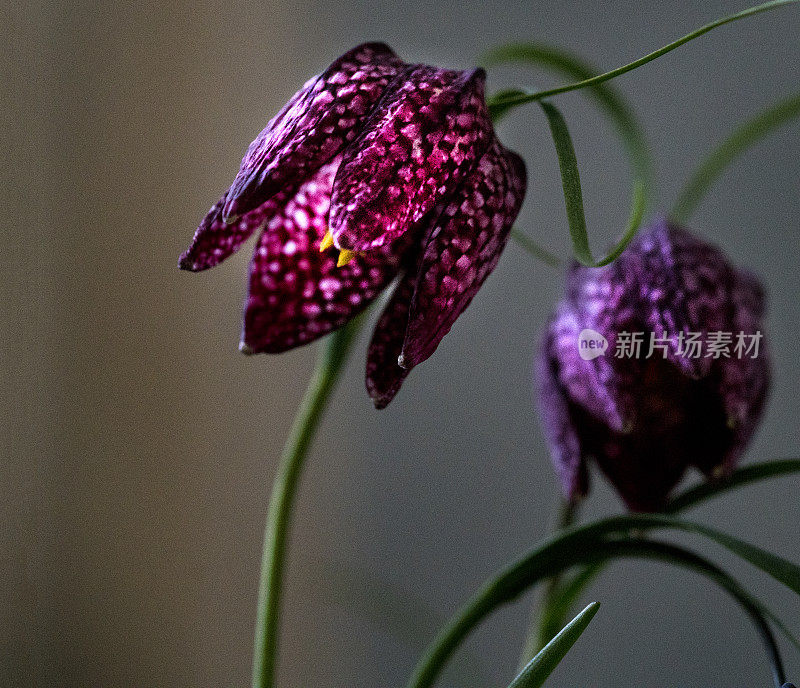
(375, 170)
(691, 395)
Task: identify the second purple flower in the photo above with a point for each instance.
(375, 170)
(651, 365)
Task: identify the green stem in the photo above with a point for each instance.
(329, 365)
(534, 248)
(520, 98)
(540, 632)
(581, 545)
(749, 133)
(561, 553)
(572, 589)
(609, 101)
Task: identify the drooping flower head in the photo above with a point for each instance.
(376, 170)
(651, 365)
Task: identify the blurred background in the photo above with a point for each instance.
(138, 445)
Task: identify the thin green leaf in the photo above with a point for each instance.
(570, 590)
(779, 568)
(521, 98)
(739, 478)
(758, 613)
(608, 99)
(580, 545)
(745, 136)
(573, 196)
(544, 663)
(566, 597)
(534, 248)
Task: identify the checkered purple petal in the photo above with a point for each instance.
(645, 420)
(297, 293)
(422, 140)
(215, 240)
(316, 123)
(463, 247)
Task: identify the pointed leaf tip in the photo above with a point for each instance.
(542, 665)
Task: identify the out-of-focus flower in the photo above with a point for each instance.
(646, 415)
(374, 170)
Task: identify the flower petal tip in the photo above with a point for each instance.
(186, 263)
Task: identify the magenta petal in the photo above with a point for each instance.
(598, 386)
(313, 126)
(645, 419)
(463, 247)
(744, 382)
(559, 425)
(419, 144)
(215, 240)
(384, 375)
(296, 293)
(688, 283)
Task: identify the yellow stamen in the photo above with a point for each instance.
(345, 257)
(326, 243)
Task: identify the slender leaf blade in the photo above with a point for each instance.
(739, 478)
(544, 663)
(608, 99)
(744, 137)
(521, 98)
(573, 195)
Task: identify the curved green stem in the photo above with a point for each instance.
(329, 365)
(608, 100)
(581, 545)
(558, 555)
(749, 133)
(510, 99)
(572, 589)
(541, 629)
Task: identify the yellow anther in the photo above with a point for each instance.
(345, 257)
(326, 243)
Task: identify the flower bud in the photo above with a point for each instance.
(653, 364)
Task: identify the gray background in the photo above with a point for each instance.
(139, 446)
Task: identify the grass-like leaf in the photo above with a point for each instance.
(739, 478)
(520, 97)
(609, 101)
(585, 544)
(607, 98)
(745, 136)
(571, 589)
(534, 248)
(542, 665)
(573, 195)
